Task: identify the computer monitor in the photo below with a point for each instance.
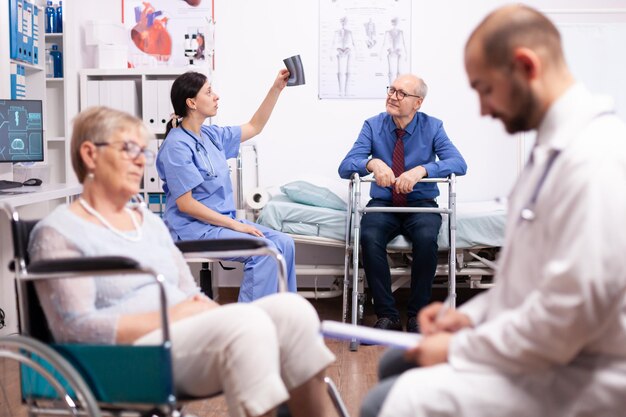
(21, 131)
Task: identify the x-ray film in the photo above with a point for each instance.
(296, 72)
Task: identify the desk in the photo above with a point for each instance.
(31, 202)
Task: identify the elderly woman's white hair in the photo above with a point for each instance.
(98, 125)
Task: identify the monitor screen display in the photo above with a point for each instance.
(21, 131)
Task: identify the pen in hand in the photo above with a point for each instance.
(444, 308)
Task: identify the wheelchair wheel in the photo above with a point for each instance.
(48, 383)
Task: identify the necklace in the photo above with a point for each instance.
(108, 225)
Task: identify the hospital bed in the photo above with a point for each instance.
(478, 230)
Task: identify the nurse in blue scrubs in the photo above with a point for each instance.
(192, 165)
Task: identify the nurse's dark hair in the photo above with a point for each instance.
(186, 86)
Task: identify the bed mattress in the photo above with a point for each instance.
(478, 223)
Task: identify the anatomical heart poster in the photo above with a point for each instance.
(170, 33)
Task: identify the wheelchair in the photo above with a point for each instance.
(103, 380)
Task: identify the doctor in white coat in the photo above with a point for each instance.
(550, 338)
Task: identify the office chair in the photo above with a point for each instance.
(95, 380)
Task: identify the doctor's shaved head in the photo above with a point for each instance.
(515, 26)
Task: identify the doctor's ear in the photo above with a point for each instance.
(527, 62)
(190, 103)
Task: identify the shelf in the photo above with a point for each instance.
(134, 72)
(27, 65)
(52, 79)
(54, 35)
(57, 139)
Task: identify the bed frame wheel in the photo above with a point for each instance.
(362, 299)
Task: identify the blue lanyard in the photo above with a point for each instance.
(210, 172)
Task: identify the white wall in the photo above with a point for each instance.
(307, 137)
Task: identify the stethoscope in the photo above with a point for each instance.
(528, 212)
(206, 159)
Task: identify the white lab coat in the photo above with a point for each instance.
(550, 337)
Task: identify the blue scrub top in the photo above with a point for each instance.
(187, 163)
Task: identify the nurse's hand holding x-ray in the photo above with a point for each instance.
(192, 163)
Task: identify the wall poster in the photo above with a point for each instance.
(170, 33)
(363, 46)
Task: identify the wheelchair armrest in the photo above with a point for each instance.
(227, 248)
(219, 245)
(95, 264)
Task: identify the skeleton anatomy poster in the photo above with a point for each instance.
(364, 45)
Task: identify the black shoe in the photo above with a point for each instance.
(386, 323)
(412, 326)
(283, 411)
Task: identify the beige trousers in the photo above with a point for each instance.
(254, 353)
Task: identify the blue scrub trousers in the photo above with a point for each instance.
(260, 273)
(377, 230)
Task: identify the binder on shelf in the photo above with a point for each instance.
(16, 9)
(35, 35)
(164, 106)
(156, 203)
(18, 81)
(152, 182)
(150, 104)
(27, 32)
(21, 81)
(13, 81)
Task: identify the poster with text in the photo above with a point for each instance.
(364, 46)
(171, 33)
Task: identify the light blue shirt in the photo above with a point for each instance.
(185, 163)
(86, 309)
(425, 143)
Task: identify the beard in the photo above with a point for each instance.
(526, 103)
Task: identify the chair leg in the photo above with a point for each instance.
(206, 280)
(336, 397)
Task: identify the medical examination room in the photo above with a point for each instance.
(392, 208)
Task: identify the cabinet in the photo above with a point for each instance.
(59, 97)
(33, 77)
(62, 97)
(144, 92)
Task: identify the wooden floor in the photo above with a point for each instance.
(353, 372)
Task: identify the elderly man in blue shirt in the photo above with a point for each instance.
(401, 146)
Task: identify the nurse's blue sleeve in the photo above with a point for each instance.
(178, 169)
(229, 137)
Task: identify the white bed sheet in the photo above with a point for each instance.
(281, 213)
(478, 223)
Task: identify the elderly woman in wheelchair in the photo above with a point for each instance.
(259, 355)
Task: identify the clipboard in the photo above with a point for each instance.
(347, 331)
